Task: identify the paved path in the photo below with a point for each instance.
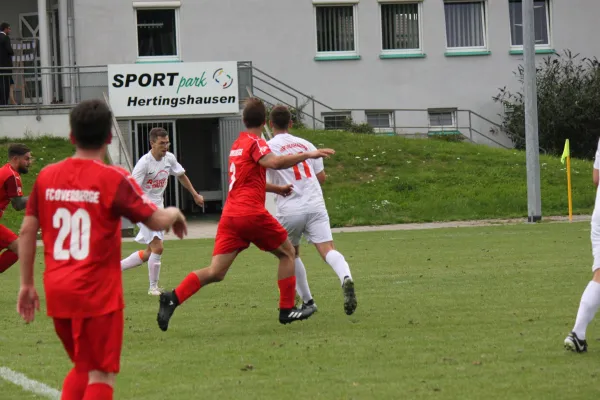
(208, 229)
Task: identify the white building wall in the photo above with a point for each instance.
(280, 38)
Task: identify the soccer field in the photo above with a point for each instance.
(463, 313)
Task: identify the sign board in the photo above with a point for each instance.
(166, 89)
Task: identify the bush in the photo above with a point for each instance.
(568, 94)
(350, 126)
(297, 114)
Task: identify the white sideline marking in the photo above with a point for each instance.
(29, 384)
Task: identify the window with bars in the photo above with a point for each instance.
(541, 16)
(157, 32)
(400, 27)
(465, 25)
(335, 121)
(379, 119)
(336, 29)
(442, 120)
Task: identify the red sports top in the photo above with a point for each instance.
(247, 178)
(10, 186)
(79, 204)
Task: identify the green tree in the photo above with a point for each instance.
(568, 91)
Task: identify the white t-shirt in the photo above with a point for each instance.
(153, 175)
(596, 213)
(307, 196)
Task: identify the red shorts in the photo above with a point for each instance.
(6, 237)
(93, 343)
(236, 233)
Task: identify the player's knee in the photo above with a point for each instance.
(107, 378)
(14, 246)
(217, 275)
(596, 277)
(157, 247)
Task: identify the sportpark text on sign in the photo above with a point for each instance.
(173, 89)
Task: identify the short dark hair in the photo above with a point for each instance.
(91, 122)
(155, 133)
(4, 25)
(255, 113)
(17, 150)
(280, 117)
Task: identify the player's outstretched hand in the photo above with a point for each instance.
(198, 199)
(180, 226)
(28, 302)
(322, 153)
(284, 191)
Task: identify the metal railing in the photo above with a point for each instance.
(122, 156)
(274, 91)
(67, 85)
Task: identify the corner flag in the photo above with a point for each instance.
(566, 152)
(567, 155)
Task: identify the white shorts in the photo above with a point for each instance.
(314, 226)
(145, 235)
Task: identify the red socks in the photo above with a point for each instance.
(287, 292)
(98, 391)
(186, 289)
(7, 259)
(74, 385)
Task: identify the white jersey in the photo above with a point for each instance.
(153, 175)
(307, 196)
(596, 213)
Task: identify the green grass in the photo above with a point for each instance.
(45, 150)
(374, 180)
(383, 180)
(468, 313)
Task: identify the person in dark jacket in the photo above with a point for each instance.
(6, 54)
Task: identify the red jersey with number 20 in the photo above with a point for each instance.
(247, 178)
(79, 204)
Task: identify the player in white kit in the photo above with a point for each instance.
(590, 300)
(301, 208)
(152, 173)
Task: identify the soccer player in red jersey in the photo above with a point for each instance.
(11, 191)
(245, 220)
(79, 203)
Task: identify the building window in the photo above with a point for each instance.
(401, 27)
(335, 121)
(541, 16)
(157, 33)
(465, 25)
(336, 30)
(442, 120)
(380, 120)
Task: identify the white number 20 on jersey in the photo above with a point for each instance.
(78, 226)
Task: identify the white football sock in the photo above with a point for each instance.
(337, 261)
(301, 281)
(590, 301)
(154, 269)
(134, 260)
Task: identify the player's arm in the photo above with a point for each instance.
(596, 172)
(178, 171)
(283, 162)
(28, 301)
(280, 190)
(15, 193)
(186, 183)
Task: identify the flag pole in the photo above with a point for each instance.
(569, 188)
